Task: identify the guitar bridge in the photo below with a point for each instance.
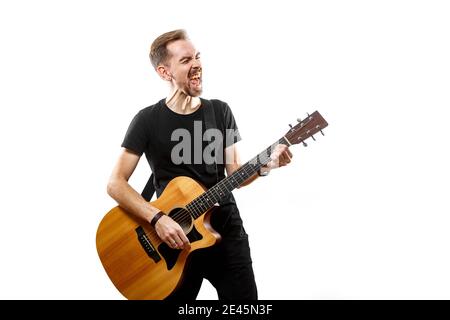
(147, 245)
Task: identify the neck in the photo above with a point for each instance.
(180, 102)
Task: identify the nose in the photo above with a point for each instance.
(196, 63)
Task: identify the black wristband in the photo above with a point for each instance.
(156, 218)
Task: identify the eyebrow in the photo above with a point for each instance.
(188, 57)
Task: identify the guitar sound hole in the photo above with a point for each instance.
(183, 218)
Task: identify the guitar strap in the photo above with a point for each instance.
(210, 123)
(149, 188)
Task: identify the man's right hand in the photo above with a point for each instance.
(171, 233)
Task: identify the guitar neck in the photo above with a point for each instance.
(224, 188)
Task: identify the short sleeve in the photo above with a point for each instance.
(232, 134)
(136, 138)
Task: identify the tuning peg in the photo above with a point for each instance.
(299, 120)
(290, 125)
(304, 144)
(313, 138)
(322, 132)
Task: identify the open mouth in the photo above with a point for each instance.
(195, 78)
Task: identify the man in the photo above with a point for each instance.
(227, 265)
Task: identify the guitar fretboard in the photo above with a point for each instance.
(222, 189)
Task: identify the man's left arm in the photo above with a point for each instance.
(280, 157)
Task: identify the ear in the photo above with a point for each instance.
(164, 73)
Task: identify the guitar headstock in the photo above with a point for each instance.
(306, 128)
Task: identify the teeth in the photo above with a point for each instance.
(196, 75)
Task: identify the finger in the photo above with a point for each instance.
(177, 241)
(171, 243)
(289, 153)
(282, 159)
(285, 148)
(277, 160)
(277, 150)
(287, 157)
(184, 240)
(186, 245)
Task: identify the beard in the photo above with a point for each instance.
(194, 90)
(192, 85)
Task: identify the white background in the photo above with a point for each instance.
(362, 213)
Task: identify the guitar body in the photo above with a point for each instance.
(136, 260)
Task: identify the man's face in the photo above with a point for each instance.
(184, 67)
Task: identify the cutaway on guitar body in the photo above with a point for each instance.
(138, 263)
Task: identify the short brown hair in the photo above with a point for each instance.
(158, 49)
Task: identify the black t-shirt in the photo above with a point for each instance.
(157, 130)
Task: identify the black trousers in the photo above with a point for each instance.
(227, 265)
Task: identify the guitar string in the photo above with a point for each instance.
(183, 215)
(198, 205)
(208, 198)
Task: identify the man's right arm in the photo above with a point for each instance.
(129, 199)
(120, 190)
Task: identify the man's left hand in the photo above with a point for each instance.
(280, 156)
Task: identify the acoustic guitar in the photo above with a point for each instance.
(139, 263)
